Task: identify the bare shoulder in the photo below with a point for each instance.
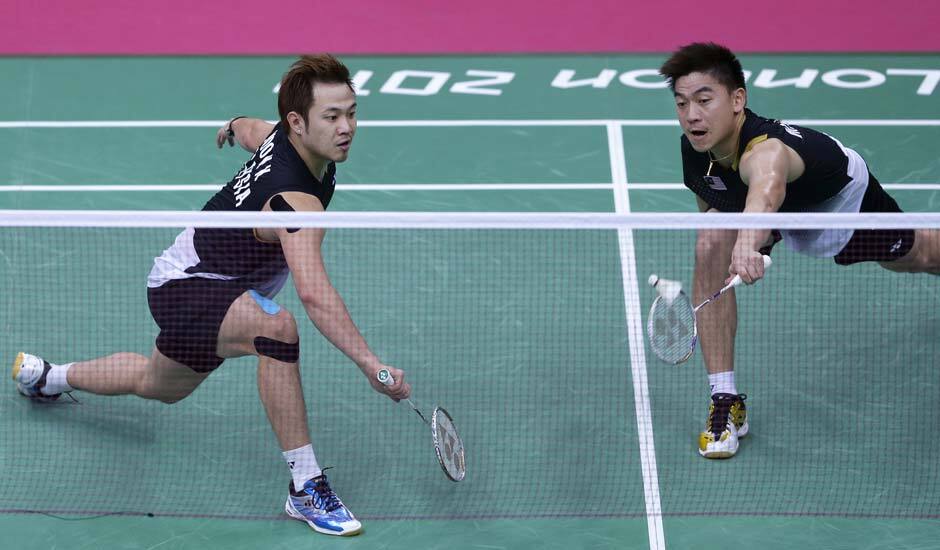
(766, 148)
(772, 154)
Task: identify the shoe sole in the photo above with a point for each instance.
(717, 454)
(725, 454)
(298, 516)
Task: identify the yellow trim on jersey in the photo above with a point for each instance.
(750, 145)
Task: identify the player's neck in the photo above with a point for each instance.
(316, 165)
(726, 152)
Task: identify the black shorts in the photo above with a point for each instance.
(869, 245)
(876, 245)
(189, 313)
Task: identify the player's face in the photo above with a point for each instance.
(331, 122)
(707, 110)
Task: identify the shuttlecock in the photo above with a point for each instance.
(669, 290)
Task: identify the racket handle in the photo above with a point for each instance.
(385, 377)
(737, 278)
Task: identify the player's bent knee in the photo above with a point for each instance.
(279, 336)
(283, 327)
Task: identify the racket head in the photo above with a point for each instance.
(448, 445)
(670, 327)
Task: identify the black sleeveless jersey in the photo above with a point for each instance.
(826, 161)
(236, 254)
(274, 168)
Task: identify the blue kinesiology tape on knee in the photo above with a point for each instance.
(269, 306)
(282, 351)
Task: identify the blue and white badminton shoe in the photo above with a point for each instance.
(323, 511)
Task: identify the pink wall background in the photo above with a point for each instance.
(62, 27)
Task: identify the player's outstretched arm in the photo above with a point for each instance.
(322, 302)
(765, 169)
(248, 132)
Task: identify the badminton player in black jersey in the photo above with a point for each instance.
(737, 161)
(211, 291)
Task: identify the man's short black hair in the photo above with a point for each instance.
(704, 57)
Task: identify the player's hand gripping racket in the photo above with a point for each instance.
(447, 444)
(671, 322)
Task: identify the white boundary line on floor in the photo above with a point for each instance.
(637, 345)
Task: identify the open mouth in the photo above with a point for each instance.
(698, 133)
(344, 145)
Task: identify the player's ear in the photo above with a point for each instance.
(296, 123)
(739, 99)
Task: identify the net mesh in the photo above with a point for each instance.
(530, 334)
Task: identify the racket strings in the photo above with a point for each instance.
(672, 328)
(450, 446)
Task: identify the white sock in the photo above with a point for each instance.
(303, 465)
(723, 382)
(57, 380)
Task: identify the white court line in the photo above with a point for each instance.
(631, 298)
(445, 123)
(400, 187)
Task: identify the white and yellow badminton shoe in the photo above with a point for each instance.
(726, 424)
(29, 372)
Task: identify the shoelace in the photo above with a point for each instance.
(326, 495)
(718, 419)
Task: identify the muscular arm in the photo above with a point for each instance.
(323, 304)
(765, 169)
(248, 132)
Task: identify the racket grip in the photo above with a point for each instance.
(737, 278)
(385, 377)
